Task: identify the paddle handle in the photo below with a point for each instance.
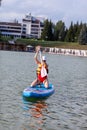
(40, 56)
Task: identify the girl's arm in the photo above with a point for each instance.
(36, 55)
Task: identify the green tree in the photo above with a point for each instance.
(47, 33)
(83, 35)
(44, 34)
(76, 31)
(50, 31)
(62, 32)
(59, 31)
(77, 28)
(70, 34)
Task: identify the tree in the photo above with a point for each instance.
(77, 28)
(70, 37)
(50, 31)
(62, 32)
(59, 31)
(83, 35)
(76, 31)
(47, 31)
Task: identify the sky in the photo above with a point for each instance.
(54, 10)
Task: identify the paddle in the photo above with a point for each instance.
(43, 69)
(40, 56)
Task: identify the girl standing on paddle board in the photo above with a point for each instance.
(42, 69)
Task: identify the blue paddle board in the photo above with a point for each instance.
(38, 92)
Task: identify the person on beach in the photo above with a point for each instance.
(41, 71)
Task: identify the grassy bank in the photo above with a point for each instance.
(66, 45)
(58, 44)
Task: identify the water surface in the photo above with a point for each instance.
(65, 110)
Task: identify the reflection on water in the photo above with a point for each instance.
(36, 113)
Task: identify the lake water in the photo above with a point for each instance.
(66, 109)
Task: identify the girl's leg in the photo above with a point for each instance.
(46, 83)
(34, 83)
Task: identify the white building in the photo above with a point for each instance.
(31, 27)
(10, 29)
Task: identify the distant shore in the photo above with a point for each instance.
(54, 50)
(72, 52)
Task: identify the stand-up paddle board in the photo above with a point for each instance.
(38, 92)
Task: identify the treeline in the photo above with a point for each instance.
(58, 32)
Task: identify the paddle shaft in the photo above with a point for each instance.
(40, 56)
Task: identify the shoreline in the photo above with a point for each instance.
(70, 52)
(52, 50)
